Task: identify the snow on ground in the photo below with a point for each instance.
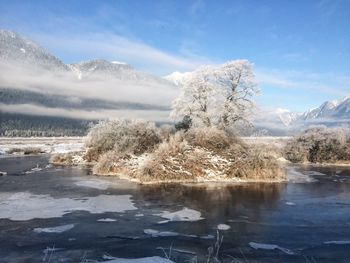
(139, 260)
(47, 144)
(56, 229)
(223, 227)
(270, 247)
(186, 214)
(26, 206)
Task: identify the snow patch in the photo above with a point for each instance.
(270, 247)
(27, 206)
(56, 229)
(186, 214)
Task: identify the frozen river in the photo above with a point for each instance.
(64, 214)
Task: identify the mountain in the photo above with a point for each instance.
(36, 84)
(331, 110)
(15, 49)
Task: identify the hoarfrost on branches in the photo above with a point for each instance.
(217, 96)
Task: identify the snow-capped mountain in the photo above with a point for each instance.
(16, 49)
(334, 109)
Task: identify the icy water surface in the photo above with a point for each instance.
(64, 214)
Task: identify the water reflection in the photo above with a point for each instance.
(219, 202)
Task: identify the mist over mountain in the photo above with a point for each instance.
(35, 83)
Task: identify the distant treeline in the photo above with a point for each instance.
(13, 125)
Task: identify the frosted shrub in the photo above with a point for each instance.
(121, 136)
(207, 154)
(319, 144)
(208, 137)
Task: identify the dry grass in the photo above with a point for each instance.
(26, 150)
(71, 158)
(122, 136)
(208, 155)
(147, 154)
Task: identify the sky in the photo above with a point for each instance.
(300, 49)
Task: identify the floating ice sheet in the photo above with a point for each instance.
(186, 214)
(26, 206)
(56, 229)
(270, 247)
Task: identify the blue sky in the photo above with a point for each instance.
(300, 48)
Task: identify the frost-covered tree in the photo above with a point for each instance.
(196, 98)
(217, 96)
(237, 82)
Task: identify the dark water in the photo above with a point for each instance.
(301, 217)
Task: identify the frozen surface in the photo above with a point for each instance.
(339, 242)
(156, 233)
(140, 260)
(94, 183)
(270, 247)
(295, 176)
(107, 220)
(290, 203)
(26, 206)
(186, 214)
(223, 227)
(56, 229)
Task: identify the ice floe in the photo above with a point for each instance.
(295, 176)
(107, 220)
(270, 247)
(223, 227)
(186, 214)
(93, 183)
(156, 233)
(338, 242)
(290, 203)
(56, 229)
(314, 173)
(26, 206)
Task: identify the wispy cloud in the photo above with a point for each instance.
(327, 83)
(113, 46)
